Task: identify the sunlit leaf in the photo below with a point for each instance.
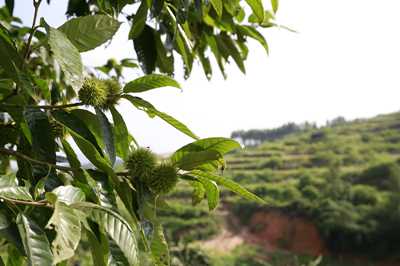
(229, 184)
(275, 5)
(115, 226)
(147, 107)
(211, 190)
(257, 8)
(67, 56)
(198, 193)
(149, 82)
(9, 188)
(121, 133)
(253, 33)
(36, 244)
(203, 153)
(65, 221)
(88, 32)
(218, 6)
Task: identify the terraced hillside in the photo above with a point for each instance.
(342, 182)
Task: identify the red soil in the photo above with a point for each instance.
(275, 230)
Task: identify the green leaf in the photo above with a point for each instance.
(176, 124)
(230, 46)
(212, 192)
(182, 43)
(150, 82)
(275, 5)
(107, 133)
(69, 194)
(258, 8)
(147, 107)
(165, 59)
(203, 153)
(9, 231)
(92, 123)
(198, 193)
(212, 43)
(36, 244)
(88, 32)
(121, 134)
(229, 184)
(138, 21)
(10, 60)
(97, 250)
(9, 189)
(206, 64)
(127, 62)
(10, 6)
(115, 226)
(253, 33)
(218, 6)
(159, 247)
(116, 256)
(76, 125)
(43, 144)
(197, 159)
(71, 155)
(103, 189)
(65, 221)
(67, 56)
(92, 154)
(146, 50)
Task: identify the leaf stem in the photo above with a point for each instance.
(27, 158)
(36, 4)
(49, 107)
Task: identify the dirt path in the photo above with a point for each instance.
(225, 242)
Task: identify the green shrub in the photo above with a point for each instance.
(383, 176)
(325, 158)
(192, 256)
(243, 255)
(320, 135)
(364, 195)
(310, 192)
(273, 163)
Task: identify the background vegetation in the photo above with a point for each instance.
(344, 177)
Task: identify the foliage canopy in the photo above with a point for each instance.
(50, 202)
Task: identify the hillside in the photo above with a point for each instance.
(338, 184)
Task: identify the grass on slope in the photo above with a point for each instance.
(345, 178)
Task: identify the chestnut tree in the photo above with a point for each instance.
(50, 103)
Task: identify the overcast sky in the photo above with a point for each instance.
(345, 61)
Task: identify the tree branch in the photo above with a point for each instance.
(48, 107)
(27, 158)
(36, 5)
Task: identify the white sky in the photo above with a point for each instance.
(344, 61)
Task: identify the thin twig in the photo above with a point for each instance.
(27, 158)
(48, 107)
(36, 5)
(26, 202)
(122, 174)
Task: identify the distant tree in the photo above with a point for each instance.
(254, 137)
